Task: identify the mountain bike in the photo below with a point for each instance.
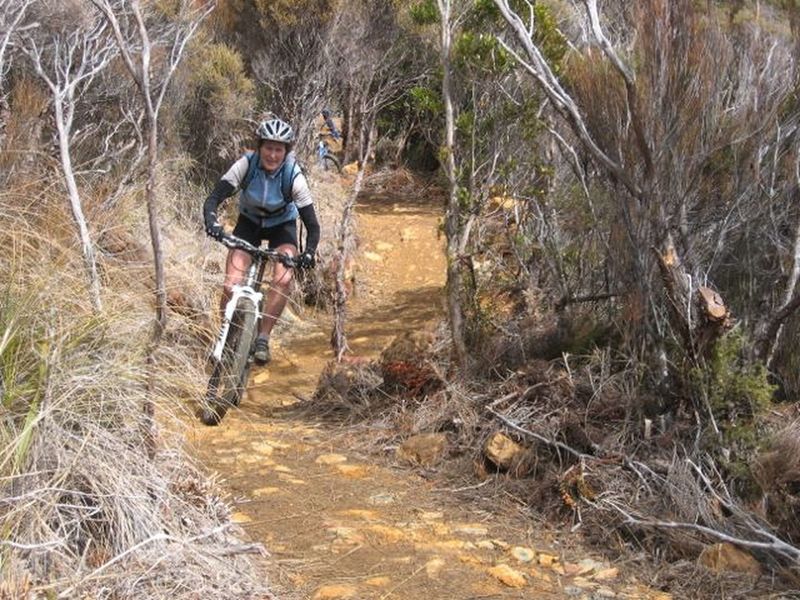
(232, 354)
(327, 159)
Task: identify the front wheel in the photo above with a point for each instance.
(229, 376)
(331, 163)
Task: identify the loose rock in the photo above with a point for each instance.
(508, 576)
(425, 449)
(727, 557)
(503, 451)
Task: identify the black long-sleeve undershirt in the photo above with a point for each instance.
(309, 217)
(218, 195)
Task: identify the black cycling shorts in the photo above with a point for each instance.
(285, 233)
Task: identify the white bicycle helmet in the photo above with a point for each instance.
(275, 130)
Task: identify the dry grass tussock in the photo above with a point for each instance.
(85, 512)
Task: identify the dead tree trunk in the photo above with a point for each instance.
(76, 205)
(697, 312)
(75, 60)
(343, 256)
(455, 282)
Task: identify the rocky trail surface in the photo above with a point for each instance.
(340, 524)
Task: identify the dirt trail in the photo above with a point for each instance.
(339, 525)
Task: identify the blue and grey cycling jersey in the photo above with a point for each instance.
(263, 201)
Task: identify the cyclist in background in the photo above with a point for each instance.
(328, 118)
(273, 193)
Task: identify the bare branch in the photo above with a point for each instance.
(537, 66)
(774, 544)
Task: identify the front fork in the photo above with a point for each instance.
(238, 291)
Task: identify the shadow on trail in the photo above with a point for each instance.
(428, 201)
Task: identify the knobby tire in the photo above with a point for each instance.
(331, 163)
(229, 376)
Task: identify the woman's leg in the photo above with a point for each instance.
(235, 269)
(278, 292)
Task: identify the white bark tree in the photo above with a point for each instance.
(128, 22)
(11, 14)
(455, 283)
(67, 65)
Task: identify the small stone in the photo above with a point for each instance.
(606, 574)
(433, 566)
(523, 554)
(605, 593)
(262, 377)
(381, 499)
(485, 545)
(281, 469)
(547, 560)
(240, 517)
(378, 582)
(266, 491)
(572, 591)
(374, 257)
(330, 459)
(383, 246)
(472, 529)
(501, 544)
(508, 576)
(352, 471)
(332, 592)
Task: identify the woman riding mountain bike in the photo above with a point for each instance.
(273, 194)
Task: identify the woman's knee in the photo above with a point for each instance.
(283, 283)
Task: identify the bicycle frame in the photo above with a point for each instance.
(250, 290)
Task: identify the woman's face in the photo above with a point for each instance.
(272, 154)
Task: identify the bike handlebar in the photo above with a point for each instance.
(231, 241)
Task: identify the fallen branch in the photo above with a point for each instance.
(775, 544)
(623, 460)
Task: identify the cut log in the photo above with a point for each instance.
(713, 307)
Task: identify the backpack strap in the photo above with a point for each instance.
(252, 165)
(288, 176)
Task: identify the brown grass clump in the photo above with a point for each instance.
(350, 390)
(777, 471)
